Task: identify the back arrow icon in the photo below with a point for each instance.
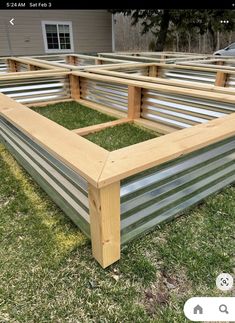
(11, 21)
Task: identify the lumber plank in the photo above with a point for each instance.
(134, 102)
(156, 126)
(130, 160)
(44, 104)
(104, 205)
(30, 74)
(83, 156)
(101, 108)
(98, 127)
(220, 78)
(7, 103)
(164, 88)
(160, 80)
(74, 86)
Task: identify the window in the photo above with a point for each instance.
(57, 36)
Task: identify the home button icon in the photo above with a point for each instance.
(198, 310)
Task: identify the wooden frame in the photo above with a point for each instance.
(75, 62)
(221, 76)
(26, 66)
(103, 171)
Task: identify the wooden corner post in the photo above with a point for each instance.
(104, 204)
(74, 86)
(134, 102)
(221, 78)
(12, 65)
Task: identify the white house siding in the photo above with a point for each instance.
(92, 30)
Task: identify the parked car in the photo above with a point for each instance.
(227, 51)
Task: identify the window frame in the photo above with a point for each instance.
(53, 22)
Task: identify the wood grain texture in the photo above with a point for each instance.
(83, 156)
(152, 125)
(134, 102)
(104, 205)
(101, 108)
(224, 97)
(220, 78)
(98, 127)
(130, 160)
(7, 103)
(74, 87)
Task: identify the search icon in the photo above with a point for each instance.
(223, 308)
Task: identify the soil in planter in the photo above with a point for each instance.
(121, 136)
(72, 115)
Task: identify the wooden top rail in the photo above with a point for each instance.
(32, 74)
(96, 57)
(152, 59)
(167, 53)
(29, 61)
(82, 155)
(159, 80)
(229, 98)
(100, 167)
(186, 66)
(130, 160)
(72, 67)
(208, 65)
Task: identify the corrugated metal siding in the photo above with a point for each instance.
(112, 95)
(189, 75)
(3, 67)
(164, 192)
(231, 81)
(181, 111)
(52, 58)
(65, 187)
(36, 89)
(143, 71)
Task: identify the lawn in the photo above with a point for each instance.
(47, 273)
(72, 115)
(120, 136)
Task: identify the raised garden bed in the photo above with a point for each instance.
(115, 196)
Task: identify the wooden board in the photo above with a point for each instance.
(159, 80)
(130, 160)
(80, 154)
(134, 102)
(98, 127)
(101, 108)
(152, 125)
(229, 98)
(105, 223)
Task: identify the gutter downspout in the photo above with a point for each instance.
(113, 33)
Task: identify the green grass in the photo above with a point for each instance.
(72, 115)
(120, 136)
(47, 273)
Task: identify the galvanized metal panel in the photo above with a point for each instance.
(189, 75)
(66, 188)
(33, 90)
(164, 192)
(112, 95)
(3, 66)
(230, 81)
(142, 71)
(181, 111)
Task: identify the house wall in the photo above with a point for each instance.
(92, 30)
